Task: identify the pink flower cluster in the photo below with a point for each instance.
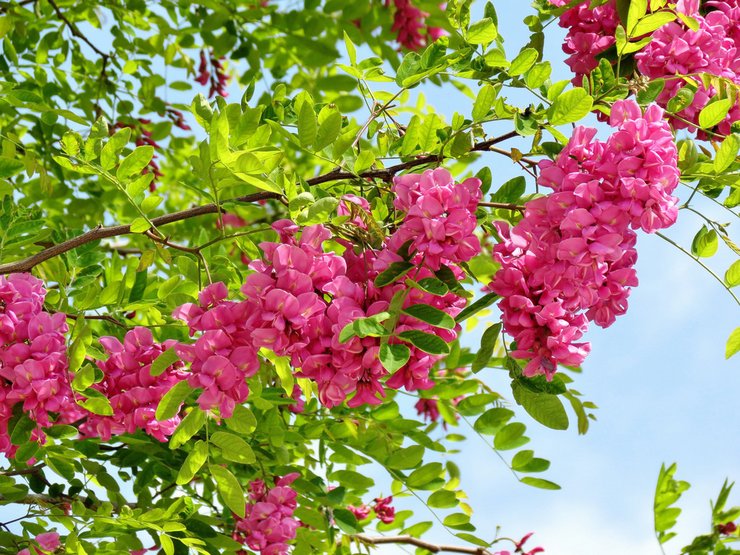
(269, 524)
(570, 259)
(299, 298)
(131, 389)
(223, 356)
(211, 71)
(33, 359)
(440, 217)
(48, 542)
(590, 32)
(381, 506)
(519, 547)
(408, 22)
(676, 50)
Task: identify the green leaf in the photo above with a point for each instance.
(10, 167)
(538, 75)
(404, 458)
(345, 521)
(164, 361)
(328, 130)
(114, 146)
(482, 32)
(97, 405)
(732, 275)
(433, 286)
(652, 22)
(431, 315)
(683, 98)
(229, 488)
(422, 477)
(364, 161)
(427, 342)
(365, 327)
(140, 225)
(320, 211)
(727, 153)
(637, 10)
(351, 50)
(493, 420)
(233, 447)
(705, 243)
(442, 499)
(193, 463)
(392, 273)
(539, 483)
(170, 404)
(714, 112)
(166, 543)
(484, 302)
(570, 107)
(306, 124)
(487, 343)
(651, 92)
(135, 162)
(544, 408)
(242, 421)
(511, 191)
(393, 356)
(733, 343)
(352, 479)
(457, 520)
(189, 426)
(510, 436)
(523, 62)
(484, 102)
(84, 378)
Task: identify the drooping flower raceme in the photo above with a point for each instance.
(570, 259)
(132, 390)
(33, 359)
(269, 524)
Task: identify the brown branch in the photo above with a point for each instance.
(103, 317)
(386, 174)
(33, 470)
(510, 154)
(337, 174)
(101, 232)
(503, 205)
(409, 540)
(47, 500)
(76, 32)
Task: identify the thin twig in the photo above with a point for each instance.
(101, 232)
(103, 317)
(698, 261)
(503, 205)
(409, 540)
(76, 32)
(386, 174)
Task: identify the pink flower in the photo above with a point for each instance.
(569, 260)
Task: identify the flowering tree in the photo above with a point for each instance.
(216, 316)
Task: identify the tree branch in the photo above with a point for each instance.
(337, 174)
(409, 540)
(386, 174)
(76, 32)
(101, 232)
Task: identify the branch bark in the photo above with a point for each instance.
(386, 174)
(76, 32)
(101, 232)
(409, 540)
